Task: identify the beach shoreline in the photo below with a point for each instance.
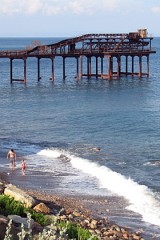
(96, 207)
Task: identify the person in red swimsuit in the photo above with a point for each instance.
(23, 167)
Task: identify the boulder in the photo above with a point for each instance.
(19, 195)
(17, 220)
(42, 208)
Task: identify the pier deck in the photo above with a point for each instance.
(99, 46)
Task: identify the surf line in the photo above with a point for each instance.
(141, 198)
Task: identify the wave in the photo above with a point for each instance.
(141, 198)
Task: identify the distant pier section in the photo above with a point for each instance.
(103, 55)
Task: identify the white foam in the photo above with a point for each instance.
(50, 153)
(140, 198)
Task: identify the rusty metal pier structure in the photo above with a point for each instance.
(104, 48)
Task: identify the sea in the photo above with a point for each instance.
(58, 126)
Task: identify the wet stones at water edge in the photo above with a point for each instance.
(102, 228)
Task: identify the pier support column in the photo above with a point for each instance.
(101, 67)
(96, 67)
(11, 70)
(118, 67)
(110, 68)
(38, 65)
(64, 68)
(81, 67)
(77, 70)
(25, 72)
(126, 65)
(132, 66)
(140, 67)
(147, 65)
(89, 67)
(52, 59)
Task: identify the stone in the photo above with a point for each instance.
(19, 195)
(63, 217)
(3, 219)
(93, 224)
(17, 220)
(42, 208)
(76, 214)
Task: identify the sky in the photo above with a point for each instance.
(71, 18)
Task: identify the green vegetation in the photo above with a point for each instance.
(59, 229)
(9, 206)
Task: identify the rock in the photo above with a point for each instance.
(76, 214)
(36, 228)
(42, 208)
(63, 217)
(17, 220)
(19, 195)
(93, 224)
(2, 187)
(3, 219)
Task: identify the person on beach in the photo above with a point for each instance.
(23, 167)
(12, 155)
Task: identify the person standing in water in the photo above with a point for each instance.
(23, 167)
(12, 155)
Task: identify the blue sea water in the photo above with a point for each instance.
(56, 127)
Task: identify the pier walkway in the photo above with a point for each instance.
(103, 47)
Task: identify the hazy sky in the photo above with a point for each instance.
(70, 18)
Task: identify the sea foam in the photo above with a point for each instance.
(141, 199)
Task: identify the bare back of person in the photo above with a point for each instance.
(12, 155)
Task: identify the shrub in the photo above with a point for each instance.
(9, 206)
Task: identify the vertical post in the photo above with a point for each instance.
(147, 65)
(25, 72)
(77, 72)
(39, 69)
(140, 67)
(11, 70)
(118, 66)
(126, 65)
(96, 67)
(90, 69)
(81, 66)
(101, 67)
(132, 66)
(52, 59)
(64, 69)
(110, 65)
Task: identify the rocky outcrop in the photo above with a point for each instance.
(42, 208)
(19, 195)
